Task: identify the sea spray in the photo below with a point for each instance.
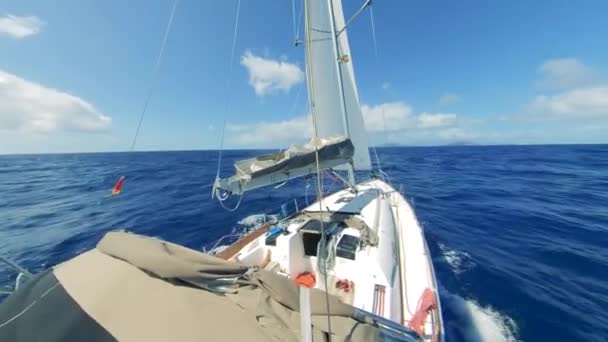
(458, 261)
(472, 322)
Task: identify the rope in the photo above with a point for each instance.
(383, 175)
(293, 16)
(371, 18)
(306, 192)
(299, 23)
(319, 185)
(155, 73)
(221, 198)
(16, 267)
(28, 307)
(295, 101)
(228, 86)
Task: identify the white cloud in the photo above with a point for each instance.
(19, 27)
(268, 76)
(28, 106)
(398, 116)
(394, 116)
(565, 73)
(271, 134)
(448, 99)
(580, 102)
(436, 120)
(576, 91)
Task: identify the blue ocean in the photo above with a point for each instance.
(519, 234)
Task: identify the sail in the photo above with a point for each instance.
(296, 161)
(329, 60)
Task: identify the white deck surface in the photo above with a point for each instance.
(399, 264)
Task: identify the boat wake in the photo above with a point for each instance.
(467, 320)
(458, 261)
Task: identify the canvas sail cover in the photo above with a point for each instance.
(294, 162)
(136, 288)
(324, 64)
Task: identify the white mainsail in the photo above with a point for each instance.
(340, 136)
(335, 105)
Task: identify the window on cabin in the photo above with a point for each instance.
(310, 241)
(347, 247)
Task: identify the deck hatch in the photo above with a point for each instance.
(347, 247)
(355, 205)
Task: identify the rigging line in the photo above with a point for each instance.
(233, 209)
(228, 85)
(354, 16)
(299, 22)
(295, 102)
(293, 17)
(373, 26)
(155, 72)
(34, 302)
(319, 187)
(371, 18)
(343, 106)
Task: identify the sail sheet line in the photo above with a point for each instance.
(153, 81)
(354, 16)
(155, 73)
(229, 93)
(383, 175)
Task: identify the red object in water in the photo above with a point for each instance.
(426, 303)
(118, 186)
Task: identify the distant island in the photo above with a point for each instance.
(455, 143)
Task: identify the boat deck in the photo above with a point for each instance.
(374, 252)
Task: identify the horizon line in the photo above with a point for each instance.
(274, 148)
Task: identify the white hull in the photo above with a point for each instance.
(387, 279)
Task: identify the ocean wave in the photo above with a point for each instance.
(458, 261)
(473, 322)
(512, 229)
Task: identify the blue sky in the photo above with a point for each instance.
(74, 74)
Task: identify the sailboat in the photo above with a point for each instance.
(352, 266)
(367, 235)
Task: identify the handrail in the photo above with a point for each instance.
(389, 330)
(282, 210)
(222, 239)
(14, 266)
(23, 274)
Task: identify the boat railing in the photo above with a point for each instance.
(389, 330)
(23, 275)
(285, 210)
(222, 239)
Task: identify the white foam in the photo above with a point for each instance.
(459, 261)
(476, 323)
(257, 219)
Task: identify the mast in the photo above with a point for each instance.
(334, 105)
(350, 168)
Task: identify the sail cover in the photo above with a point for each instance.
(135, 288)
(326, 60)
(294, 162)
